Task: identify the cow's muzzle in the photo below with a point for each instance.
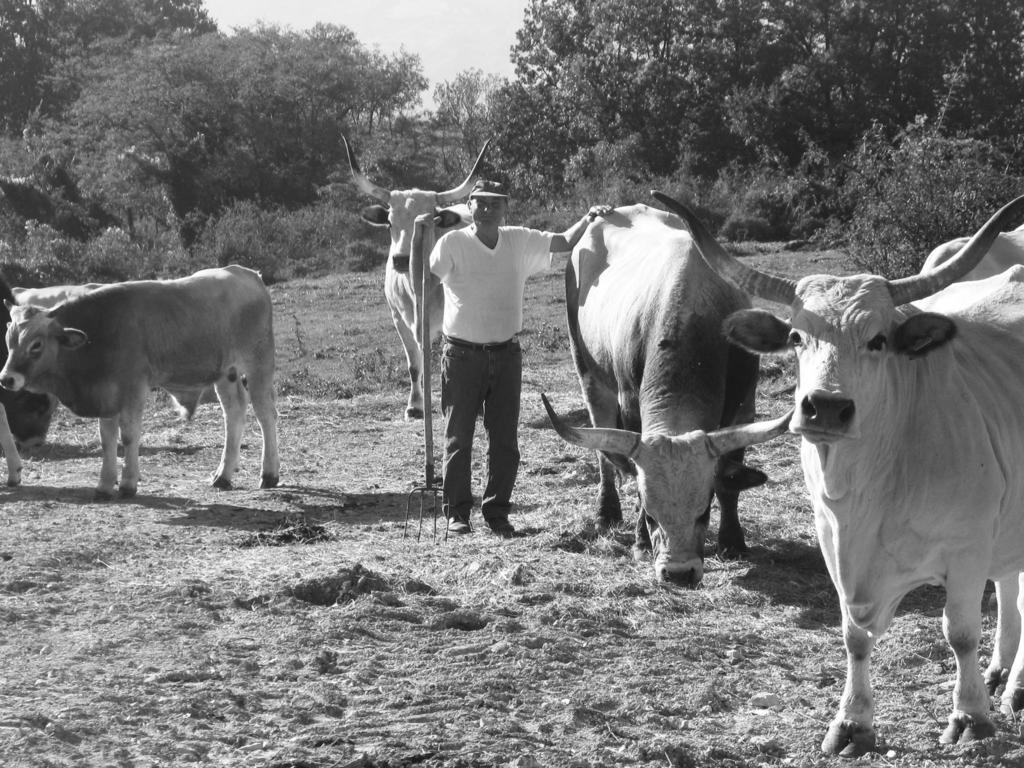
(824, 416)
(686, 574)
(12, 381)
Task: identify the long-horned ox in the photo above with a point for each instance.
(913, 439)
(644, 315)
(398, 210)
(100, 353)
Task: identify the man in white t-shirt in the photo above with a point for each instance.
(483, 269)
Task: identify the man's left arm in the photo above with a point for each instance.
(566, 241)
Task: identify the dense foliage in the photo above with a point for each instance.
(887, 126)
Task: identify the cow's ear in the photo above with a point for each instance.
(757, 331)
(376, 215)
(72, 338)
(446, 218)
(920, 334)
(737, 477)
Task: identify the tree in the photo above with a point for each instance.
(461, 116)
(213, 120)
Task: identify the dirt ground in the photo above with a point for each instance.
(309, 626)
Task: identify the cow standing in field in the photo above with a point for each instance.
(398, 212)
(101, 353)
(645, 314)
(913, 439)
(186, 400)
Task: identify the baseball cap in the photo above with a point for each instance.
(484, 188)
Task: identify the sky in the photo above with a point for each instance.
(449, 36)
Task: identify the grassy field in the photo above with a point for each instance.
(309, 627)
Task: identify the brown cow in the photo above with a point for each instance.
(102, 352)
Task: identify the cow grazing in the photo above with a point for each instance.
(398, 211)
(913, 437)
(25, 416)
(645, 313)
(1006, 251)
(101, 353)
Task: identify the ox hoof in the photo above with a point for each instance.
(994, 678)
(963, 728)
(848, 739)
(126, 493)
(411, 414)
(269, 481)
(733, 551)
(102, 495)
(13, 480)
(1012, 702)
(222, 483)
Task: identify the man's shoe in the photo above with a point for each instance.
(502, 528)
(459, 527)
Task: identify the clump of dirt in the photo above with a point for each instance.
(293, 529)
(342, 587)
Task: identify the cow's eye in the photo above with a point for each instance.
(35, 348)
(877, 343)
(795, 339)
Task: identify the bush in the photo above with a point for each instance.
(909, 195)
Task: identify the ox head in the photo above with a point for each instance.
(34, 339)
(676, 475)
(846, 331)
(397, 209)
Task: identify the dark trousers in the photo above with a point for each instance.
(473, 379)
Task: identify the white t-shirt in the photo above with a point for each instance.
(483, 287)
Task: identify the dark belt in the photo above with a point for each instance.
(481, 347)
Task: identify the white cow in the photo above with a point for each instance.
(398, 213)
(913, 439)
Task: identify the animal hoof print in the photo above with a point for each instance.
(222, 483)
(269, 481)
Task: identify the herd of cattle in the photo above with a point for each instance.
(906, 402)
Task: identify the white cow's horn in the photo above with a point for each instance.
(454, 195)
(617, 441)
(753, 281)
(360, 178)
(728, 439)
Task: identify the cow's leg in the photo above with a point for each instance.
(10, 449)
(414, 358)
(130, 421)
(1013, 611)
(609, 510)
(961, 624)
(731, 543)
(108, 470)
(1007, 636)
(233, 401)
(262, 395)
(852, 732)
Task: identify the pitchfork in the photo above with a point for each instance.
(423, 236)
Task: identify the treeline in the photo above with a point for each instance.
(137, 139)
